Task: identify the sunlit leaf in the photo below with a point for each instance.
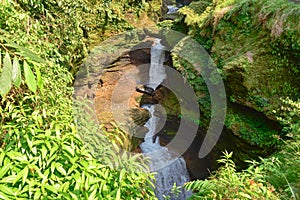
(25, 174)
(44, 152)
(4, 169)
(68, 149)
(60, 168)
(23, 51)
(74, 196)
(37, 194)
(93, 194)
(16, 72)
(38, 77)
(16, 156)
(6, 75)
(19, 176)
(2, 154)
(3, 196)
(118, 196)
(29, 77)
(7, 190)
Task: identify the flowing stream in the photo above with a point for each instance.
(170, 168)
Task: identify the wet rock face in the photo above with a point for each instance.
(107, 92)
(119, 85)
(235, 81)
(145, 89)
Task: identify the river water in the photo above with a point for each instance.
(170, 168)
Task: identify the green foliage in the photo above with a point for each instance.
(29, 77)
(199, 86)
(227, 183)
(289, 116)
(64, 30)
(276, 177)
(256, 132)
(39, 164)
(44, 151)
(176, 190)
(6, 75)
(11, 73)
(285, 176)
(256, 45)
(266, 29)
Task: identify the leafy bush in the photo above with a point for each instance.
(42, 149)
(285, 177)
(227, 183)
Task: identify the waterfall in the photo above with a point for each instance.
(157, 71)
(171, 169)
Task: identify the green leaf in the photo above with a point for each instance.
(93, 195)
(22, 50)
(16, 72)
(68, 149)
(25, 174)
(38, 77)
(60, 168)
(65, 187)
(3, 196)
(29, 77)
(7, 190)
(44, 152)
(245, 195)
(18, 177)
(17, 156)
(37, 194)
(2, 154)
(8, 179)
(118, 196)
(74, 196)
(6, 76)
(4, 169)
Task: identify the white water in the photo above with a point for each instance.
(157, 71)
(172, 9)
(171, 169)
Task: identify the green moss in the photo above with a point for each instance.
(254, 129)
(259, 58)
(198, 84)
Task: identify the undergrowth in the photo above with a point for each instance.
(43, 151)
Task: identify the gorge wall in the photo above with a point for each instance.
(256, 47)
